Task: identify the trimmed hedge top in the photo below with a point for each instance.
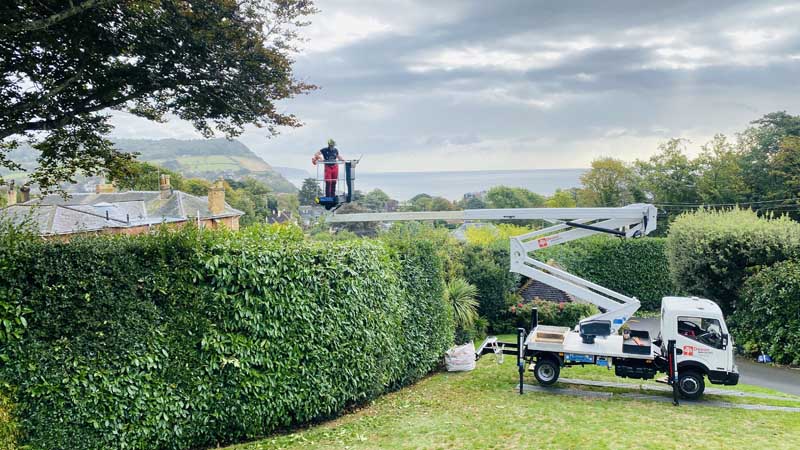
(711, 252)
(191, 339)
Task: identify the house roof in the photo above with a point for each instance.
(53, 214)
(533, 289)
(280, 217)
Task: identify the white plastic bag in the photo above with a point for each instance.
(460, 358)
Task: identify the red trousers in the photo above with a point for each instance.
(331, 175)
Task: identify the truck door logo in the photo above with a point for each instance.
(688, 350)
(542, 242)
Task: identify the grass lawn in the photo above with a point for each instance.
(481, 409)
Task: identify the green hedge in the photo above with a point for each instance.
(9, 429)
(768, 319)
(191, 339)
(634, 267)
(487, 269)
(712, 252)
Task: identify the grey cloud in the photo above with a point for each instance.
(650, 67)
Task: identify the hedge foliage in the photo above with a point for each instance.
(769, 319)
(487, 269)
(9, 429)
(634, 267)
(552, 313)
(712, 252)
(190, 339)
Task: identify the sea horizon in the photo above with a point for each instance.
(453, 184)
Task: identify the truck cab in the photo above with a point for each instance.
(703, 345)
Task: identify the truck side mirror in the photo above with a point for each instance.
(724, 342)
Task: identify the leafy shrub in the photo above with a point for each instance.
(564, 314)
(487, 269)
(473, 333)
(634, 267)
(449, 249)
(9, 430)
(460, 295)
(495, 236)
(768, 318)
(711, 252)
(190, 339)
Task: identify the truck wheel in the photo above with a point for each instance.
(691, 384)
(546, 371)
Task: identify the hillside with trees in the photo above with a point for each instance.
(208, 159)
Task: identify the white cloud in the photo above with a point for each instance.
(341, 29)
(479, 57)
(752, 38)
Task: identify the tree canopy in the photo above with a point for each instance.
(218, 64)
(309, 192)
(513, 197)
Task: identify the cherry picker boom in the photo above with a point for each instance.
(693, 344)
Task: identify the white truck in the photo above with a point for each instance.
(693, 344)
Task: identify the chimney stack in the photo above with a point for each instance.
(104, 188)
(11, 194)
(164, 187)
(25, 193)
(216, 197)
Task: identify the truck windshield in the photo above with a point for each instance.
(700, 329)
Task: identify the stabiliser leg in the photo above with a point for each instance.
(673, 370)
(520, 356)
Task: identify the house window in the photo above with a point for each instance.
(700, 329)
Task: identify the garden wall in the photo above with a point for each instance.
(192, 339)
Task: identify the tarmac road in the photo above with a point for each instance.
(764, 375)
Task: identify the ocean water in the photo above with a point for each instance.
(453, 185)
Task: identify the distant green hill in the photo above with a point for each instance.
(201, 158)
(207, 158)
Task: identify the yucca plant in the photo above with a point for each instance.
(461, 295)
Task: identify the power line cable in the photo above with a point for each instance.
(724, 204)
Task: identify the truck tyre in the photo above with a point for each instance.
(546, 371)
(691, 384)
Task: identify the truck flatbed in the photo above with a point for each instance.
(564, 340)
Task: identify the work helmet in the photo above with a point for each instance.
(331, 143)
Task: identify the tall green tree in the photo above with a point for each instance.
(375, 200)
(721, 176)
(217, 64)
(472, 202)
(786, 168)
(309, 192)
(669, 176)
(609, 182)
(513, 197)
(758, 145)
(144, 176)
(561, 199)
(419, 202)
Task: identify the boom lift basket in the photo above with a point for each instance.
(336, 190)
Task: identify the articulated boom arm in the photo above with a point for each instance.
(569, 224)
(630, 221)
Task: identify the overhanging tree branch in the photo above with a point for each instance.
(56, 18)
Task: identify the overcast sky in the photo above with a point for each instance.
(466, 85)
